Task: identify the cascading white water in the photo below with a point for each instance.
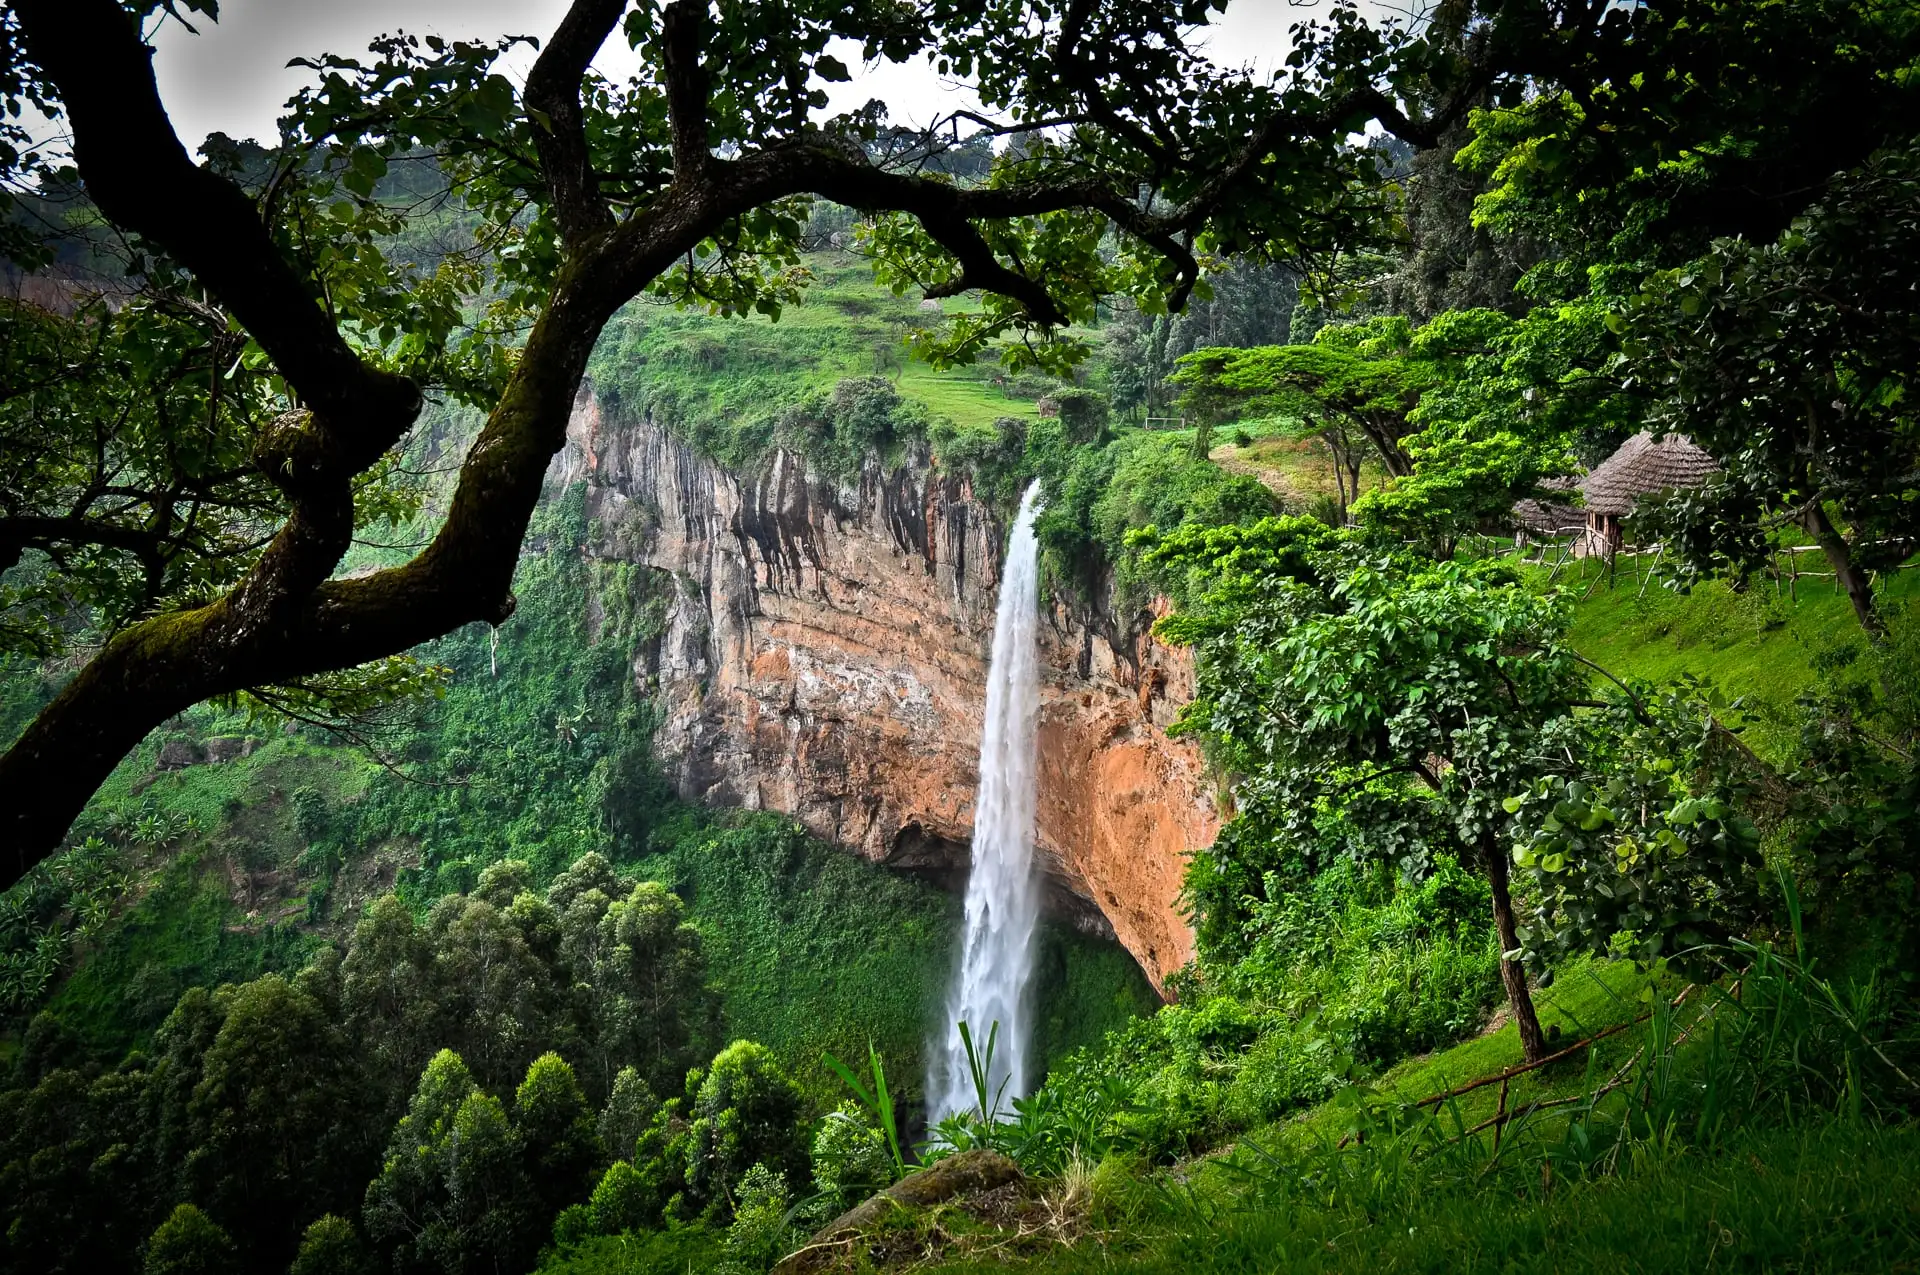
(1003, 896)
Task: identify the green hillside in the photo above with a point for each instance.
(1557, 914)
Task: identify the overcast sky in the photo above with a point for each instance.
(232, 77)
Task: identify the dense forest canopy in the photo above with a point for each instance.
(1539, 901)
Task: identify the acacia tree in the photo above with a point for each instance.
(690, 181)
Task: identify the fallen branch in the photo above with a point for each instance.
(1568, 1052)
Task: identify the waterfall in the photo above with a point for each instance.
(1003, 896)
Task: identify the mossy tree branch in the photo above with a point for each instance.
(287, 619)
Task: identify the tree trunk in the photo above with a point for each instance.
(1857, 583)
(1533, 1041)
(1386, 441)
(1339, 472)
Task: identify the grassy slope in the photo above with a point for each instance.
(1817, 1195)
(1760, 646)
(703, 371)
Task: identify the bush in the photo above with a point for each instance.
(759, 1229)
(850, 1160)
(1348, 972)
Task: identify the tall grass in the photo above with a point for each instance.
(1758, 1123)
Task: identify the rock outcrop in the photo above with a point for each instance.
(823, 653)
(959, 1176)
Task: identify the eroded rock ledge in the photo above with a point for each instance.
(824, 655)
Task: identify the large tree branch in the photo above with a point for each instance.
(980, 268)
(559, 133)
(683, 31)
(286, 619)
(39, 532)
(163, 665)
(139, 175)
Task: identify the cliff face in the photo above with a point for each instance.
(824, 655)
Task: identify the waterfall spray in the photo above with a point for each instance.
(1003, 896)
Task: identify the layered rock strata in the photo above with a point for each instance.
(823, 653)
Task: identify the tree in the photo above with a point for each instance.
(330, 1247)
(621, 1201)
(124, 509)
(557, 1135)
(390, 999)
(452, 1194)
(499, 995)
(1794, 363)
(1356, 374)
(650, 1001)
(1467, 412)
(746, 1113)
(270, 1142)
(629, 1110)
(79, 1185)
(1373, 705)
(188, 1243)
(1747, 213)
(1687, 121)
(687, 183)
(1641, 847)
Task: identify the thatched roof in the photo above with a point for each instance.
(1642, 467)
(1550, 516)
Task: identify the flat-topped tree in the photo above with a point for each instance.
(688, 182)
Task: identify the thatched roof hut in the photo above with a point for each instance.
(1642, 467)
(1550, 517)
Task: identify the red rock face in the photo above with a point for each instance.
(824, 655)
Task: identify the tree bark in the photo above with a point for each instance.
(1533, 1041)
(1386, 441)
(1857, 583)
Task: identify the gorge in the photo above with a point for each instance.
(823, 653)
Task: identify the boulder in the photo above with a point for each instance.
(178, 754)
(227, 747)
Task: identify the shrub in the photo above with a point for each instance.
(850, 1159)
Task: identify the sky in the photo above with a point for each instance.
(232, 77)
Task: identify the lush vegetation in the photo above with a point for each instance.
(430, 956)
(1563, 911)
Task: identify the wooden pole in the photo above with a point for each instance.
(1566, 551)
(1650, 570)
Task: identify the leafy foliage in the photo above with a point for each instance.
(1793, 362)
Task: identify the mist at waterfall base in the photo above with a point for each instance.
(1003, 894)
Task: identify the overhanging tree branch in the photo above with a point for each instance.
(286, 619)
(559, 133)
